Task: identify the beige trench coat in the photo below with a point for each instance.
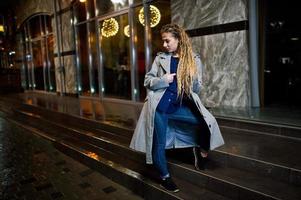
(156, 83)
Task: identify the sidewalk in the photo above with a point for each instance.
(31, 168)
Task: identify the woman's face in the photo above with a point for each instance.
(170, 43)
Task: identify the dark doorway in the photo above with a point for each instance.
(281, 46)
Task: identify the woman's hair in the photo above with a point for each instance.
(187, 67)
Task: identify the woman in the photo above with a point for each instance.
(173, 106)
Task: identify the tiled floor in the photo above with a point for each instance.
(31, 168)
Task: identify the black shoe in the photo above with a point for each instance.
(169, 185)
(199, 161)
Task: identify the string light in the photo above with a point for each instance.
(126, 30)
(155, 16)
(110, 27)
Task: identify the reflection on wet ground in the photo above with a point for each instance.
(125, 113)
(118, 113)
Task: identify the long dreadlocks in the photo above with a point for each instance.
(187, 68)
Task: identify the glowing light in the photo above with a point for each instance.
(1, 28)
(126, 30)
(110, 27)
(93, 155)
(117, 1)
(155, 16)
(82, 1)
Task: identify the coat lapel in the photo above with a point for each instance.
(165, 63)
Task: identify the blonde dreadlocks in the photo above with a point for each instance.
(187, 67)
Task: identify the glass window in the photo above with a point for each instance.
(21, 54)
(162, 8)
(160, 15)
(35, 27)
(93, 58)
(114, 42)
(82, 42)
(50, 63)
(140, 54)
(80, 12)
(38, 65)
(48, 24)
(106, 6)
(90, 9)
(38, 58)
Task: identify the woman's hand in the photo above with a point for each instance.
(170, 77)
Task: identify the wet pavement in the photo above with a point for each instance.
(31, 168)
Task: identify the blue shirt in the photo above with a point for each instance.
(169, 102)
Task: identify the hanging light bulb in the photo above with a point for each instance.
(155, 16)
(110, 27)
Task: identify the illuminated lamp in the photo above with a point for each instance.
(155, 16)
(126, 30)
(1, 28)
(110, 27)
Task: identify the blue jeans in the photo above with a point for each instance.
(183, 114)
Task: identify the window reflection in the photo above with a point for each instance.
(116, 61)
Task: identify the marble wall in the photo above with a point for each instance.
(67, 41)
(70, 78)
(225, 56)
(69, 75)
(202, 13)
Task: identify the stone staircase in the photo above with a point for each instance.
(258, 161)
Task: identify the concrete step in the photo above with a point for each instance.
(264, 154)
(125, 172)
(259, 127)
(239, 186)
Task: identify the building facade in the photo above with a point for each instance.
(102, 48)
